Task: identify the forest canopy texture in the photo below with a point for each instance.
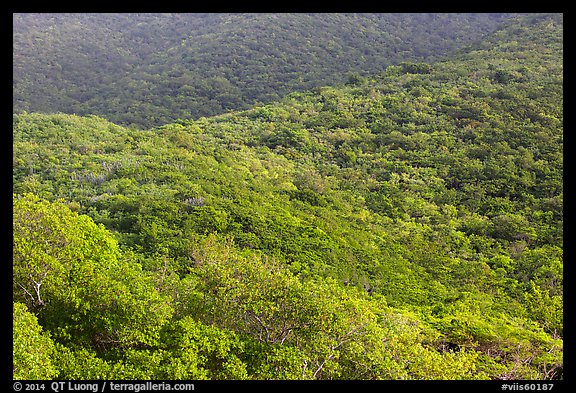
(400, 223)
(145, 70)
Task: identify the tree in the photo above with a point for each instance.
(32, 347)
(71, 273)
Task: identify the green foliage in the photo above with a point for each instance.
(415, 68)
(406, 225)
(33, 349)
(71, 273)
(150, 69)
(199, 351)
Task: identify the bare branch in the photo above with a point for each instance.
(25, 290)
(330, 357)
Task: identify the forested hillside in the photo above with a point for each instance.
(403, 225)
(150, 69)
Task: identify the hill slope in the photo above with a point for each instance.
(405, 226)
(151, 69)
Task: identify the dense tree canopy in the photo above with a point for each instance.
(405, 225)
(150, 69)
